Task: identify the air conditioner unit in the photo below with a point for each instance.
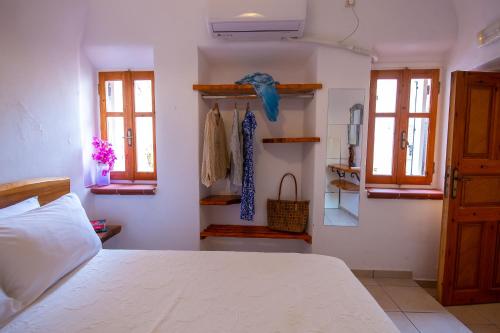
(256, 19)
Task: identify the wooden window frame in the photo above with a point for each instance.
(128, 78)
(402, 116)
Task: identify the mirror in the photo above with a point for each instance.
(345, 120)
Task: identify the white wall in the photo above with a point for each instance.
(88, 106)
(392, 234)
(41, 125)
(169, 219)
(40, 121)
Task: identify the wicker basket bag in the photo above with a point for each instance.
(287, 215)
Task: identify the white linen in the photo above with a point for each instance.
(39, 247)
(20, 207)
(209, 292)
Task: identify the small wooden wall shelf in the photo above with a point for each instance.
(345, 168)
(113, 230)
(291, 140)
(250, 231)
(125, 189)
(345, 185)
(342, 169)
(220, 200)
(404, 193)
(247, 89)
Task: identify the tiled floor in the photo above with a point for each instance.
(415, 310)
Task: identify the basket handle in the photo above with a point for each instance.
(281, 184)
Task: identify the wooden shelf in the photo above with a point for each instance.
(404, 193)
(247, 89)
(291, 140)
(250, 231)
(220, 200)
(345, 185)
(345, 168)
(113, 229)
(124, 189)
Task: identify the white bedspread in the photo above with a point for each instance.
(211, 292)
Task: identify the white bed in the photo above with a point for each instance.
(164, 291)
(189, 292)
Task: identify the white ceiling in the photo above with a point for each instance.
(397, 30)
(394, 29)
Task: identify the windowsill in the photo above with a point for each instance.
(404, 193)
(125, 189)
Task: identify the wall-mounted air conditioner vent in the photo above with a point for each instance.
(257, 19)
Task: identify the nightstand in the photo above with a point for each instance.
(113, 229)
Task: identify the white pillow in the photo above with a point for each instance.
(8, 306)
(39, 247)
(20, 207)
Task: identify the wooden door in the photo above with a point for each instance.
(469, 268)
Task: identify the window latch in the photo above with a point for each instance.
(129, 137)
(404, 141)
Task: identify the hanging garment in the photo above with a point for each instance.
(215, 162)
(236, 148)
(247, 208)
(265, 87)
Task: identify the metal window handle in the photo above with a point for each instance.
(129, 137)
(404, 141)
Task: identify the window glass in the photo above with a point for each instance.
(144, 144)
(420, 95)
(416, 152)
(143, 100)
(387, 90)
(114, 96)
(383, 146)
(115, 129)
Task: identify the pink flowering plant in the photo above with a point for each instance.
(103, 153)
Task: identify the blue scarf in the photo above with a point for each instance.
(265, 87)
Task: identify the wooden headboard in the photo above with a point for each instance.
(47, 190)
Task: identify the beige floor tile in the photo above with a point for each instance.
(368, 281)
(402, 322)
(393, 274)
(468, 315)
(484, 328)
(439, 322)
(490, 311)
(413, 299)
(396, 282)
(382, 298)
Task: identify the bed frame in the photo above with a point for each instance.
(47, 190)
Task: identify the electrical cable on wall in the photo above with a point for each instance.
(355, 29)
(341, 44)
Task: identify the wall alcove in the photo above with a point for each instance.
(294, 67)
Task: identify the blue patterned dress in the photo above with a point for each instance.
(247, 208)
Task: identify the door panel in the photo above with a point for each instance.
(481, 191)
(469, 265)
(479, 114)
(468, 251)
